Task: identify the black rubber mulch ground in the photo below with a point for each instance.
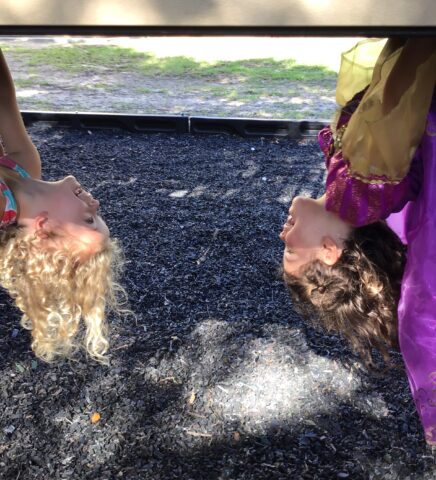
(217, 378)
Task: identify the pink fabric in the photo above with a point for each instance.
(417, 308)
(360, 202)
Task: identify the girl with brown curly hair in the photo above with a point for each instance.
(344, 265)
(56, 258)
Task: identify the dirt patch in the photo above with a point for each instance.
(100, 89)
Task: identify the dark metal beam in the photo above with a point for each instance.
(166, 31)
(132, 123)
(245, 127)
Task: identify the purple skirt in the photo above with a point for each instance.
(416, 224)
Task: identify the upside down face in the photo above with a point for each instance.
(311, 233)
(65, 209)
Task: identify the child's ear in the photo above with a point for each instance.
(330, 251)
(42, 225)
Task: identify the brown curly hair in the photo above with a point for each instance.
(357, 296)
(57, 290)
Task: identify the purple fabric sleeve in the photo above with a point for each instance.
(361, 202)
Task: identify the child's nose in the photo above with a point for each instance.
(282, 234)
(94, 204)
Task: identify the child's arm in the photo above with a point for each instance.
(15, 139)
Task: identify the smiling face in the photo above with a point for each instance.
(69, 203)
(65, 208)
(311, 233)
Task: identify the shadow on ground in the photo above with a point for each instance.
(216, 378)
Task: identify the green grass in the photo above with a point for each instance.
(243, 95)
(108, 87)
(215, 90)
(75, 58)
(244, 81)
(267, 69)
(78, 58)
(278, 94)
(32, 82)
(243, 70)
(25, 82)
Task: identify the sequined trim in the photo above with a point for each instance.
(332, 147)
(336, 144)
(374, 179)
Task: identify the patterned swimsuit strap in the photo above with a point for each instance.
(11, 208)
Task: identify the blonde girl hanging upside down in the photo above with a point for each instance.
(343, 262)
(57, 260)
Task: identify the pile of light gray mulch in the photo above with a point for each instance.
(216, 378)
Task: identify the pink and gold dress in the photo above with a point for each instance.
(381, 159)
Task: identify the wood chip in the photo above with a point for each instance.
(192, 398)
(95, 417)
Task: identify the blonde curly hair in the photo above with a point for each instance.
(57, 291)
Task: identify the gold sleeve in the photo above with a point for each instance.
(357, 66)
(386, 128)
